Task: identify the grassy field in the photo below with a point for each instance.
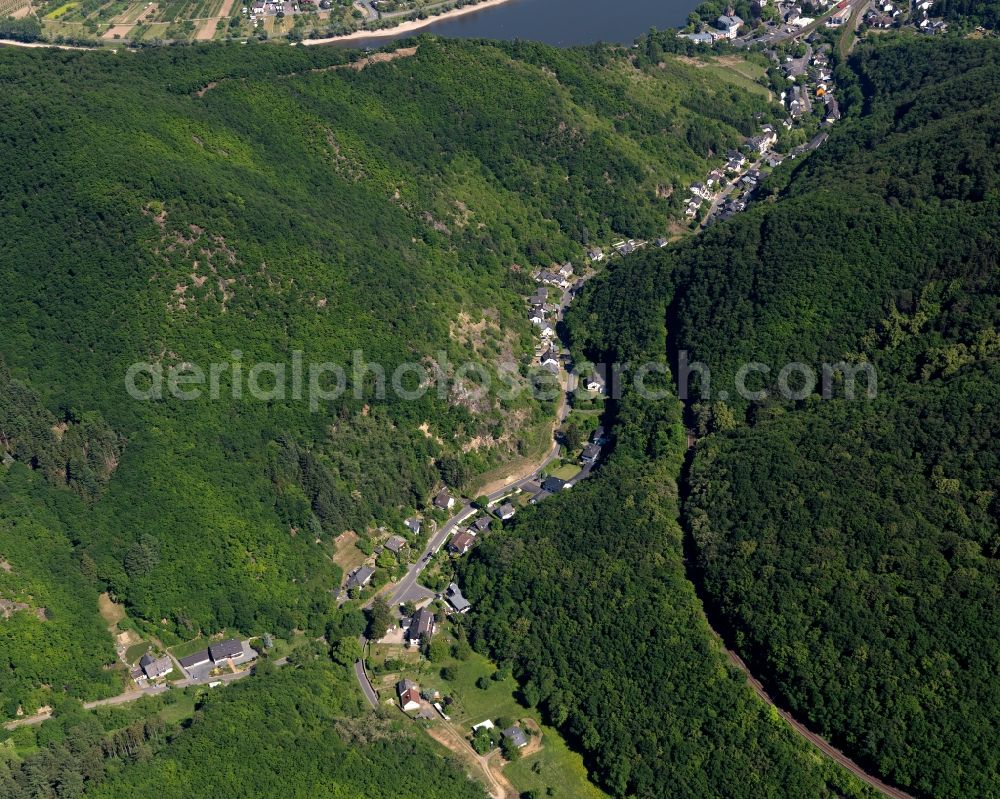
(65, 8)
(348, 556)
(538, 440)
(154, 31)
(136, 651)
(182, 709)
(188, 647)
(132, 13)
(567, 471)
(742, 73)
(553, 766)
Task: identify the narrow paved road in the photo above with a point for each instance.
(408, 588)
(405, 589)
(365, 683)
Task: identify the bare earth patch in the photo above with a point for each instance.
(480, 767)
(121, 31)
(535, 741)
(8, 608)
(381, 58)
(206, 88)
(110, 611)
(207, 31)
(348, 556)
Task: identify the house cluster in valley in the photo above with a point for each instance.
(917, 14)
(810, 105)
(784, 20)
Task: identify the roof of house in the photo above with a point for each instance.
(395, 543)
(461, 542)
(404, 685)
(505, 511)
(443, 498)
(553, 484)
(195, 659)
(413, 524)
(421, 624)
(728, 21)
(591, 452)
(230, 648)
(517, 735)
(156, 667)
(482, 523)
(456, 599)
(360, 577)
(412, 695)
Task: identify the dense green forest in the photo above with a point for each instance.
(293, 731)
(849, 548)
(241, 204)
(973, 12)
(50, 630)
(588, 602)
(79, 451)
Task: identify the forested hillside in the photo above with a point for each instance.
(850, 547)
(297, 731)
(239, 205)
(587, 600)
(854, 545)
(50, 630)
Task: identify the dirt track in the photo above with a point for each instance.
(447, 736)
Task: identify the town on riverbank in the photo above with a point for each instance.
(143, 23)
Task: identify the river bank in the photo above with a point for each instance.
(13, 43)
(407, 27)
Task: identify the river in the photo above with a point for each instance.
(559, 22)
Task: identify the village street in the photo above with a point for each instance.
(409, 589)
